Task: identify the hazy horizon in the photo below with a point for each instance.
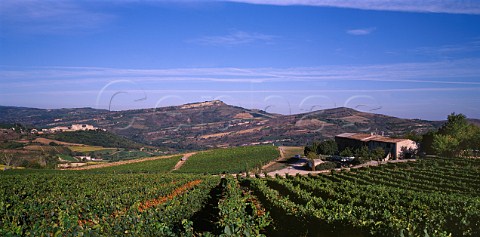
(405, 59)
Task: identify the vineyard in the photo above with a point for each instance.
(425, 198)
(162, 165)
(435, 197)
(230, 160)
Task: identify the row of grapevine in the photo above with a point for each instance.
(426, 176)
(106, 204)
(389, 200)
(240, 214)
(429, 197)
(82, 203)
(230, 160)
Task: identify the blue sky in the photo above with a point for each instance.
(400, 58)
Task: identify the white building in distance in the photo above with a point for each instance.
(73, 128)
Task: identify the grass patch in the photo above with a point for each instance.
(230, 160)
(125, 155)
(291, 151)
(10, 167)
(95, 162)
(89, 148)
(67, 158)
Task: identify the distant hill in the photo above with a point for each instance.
(474, 121)
(216, 124)
(44, 117)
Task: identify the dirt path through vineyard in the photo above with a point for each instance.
(183, 160)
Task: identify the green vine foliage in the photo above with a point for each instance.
(427, 198)
(431, 197)
(239, 216)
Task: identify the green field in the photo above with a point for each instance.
(152, 166)
(431, 197)
(126, 155)
(89, 148)
(230, 160)
(67, 157)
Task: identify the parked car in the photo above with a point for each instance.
(341, 158)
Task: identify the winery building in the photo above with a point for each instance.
(395, 148)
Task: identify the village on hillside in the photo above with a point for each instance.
(72, 128)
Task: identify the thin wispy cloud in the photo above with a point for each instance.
(255, 91)
(361, 31)
(50, 17)
(453, 72)
(449, 49)
(434, 6)
(234, 38)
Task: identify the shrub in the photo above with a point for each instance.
(326, 166)
(358, 161)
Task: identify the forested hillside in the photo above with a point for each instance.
(95, 138)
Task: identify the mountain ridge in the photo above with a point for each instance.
(214, 123)
(194, 103)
